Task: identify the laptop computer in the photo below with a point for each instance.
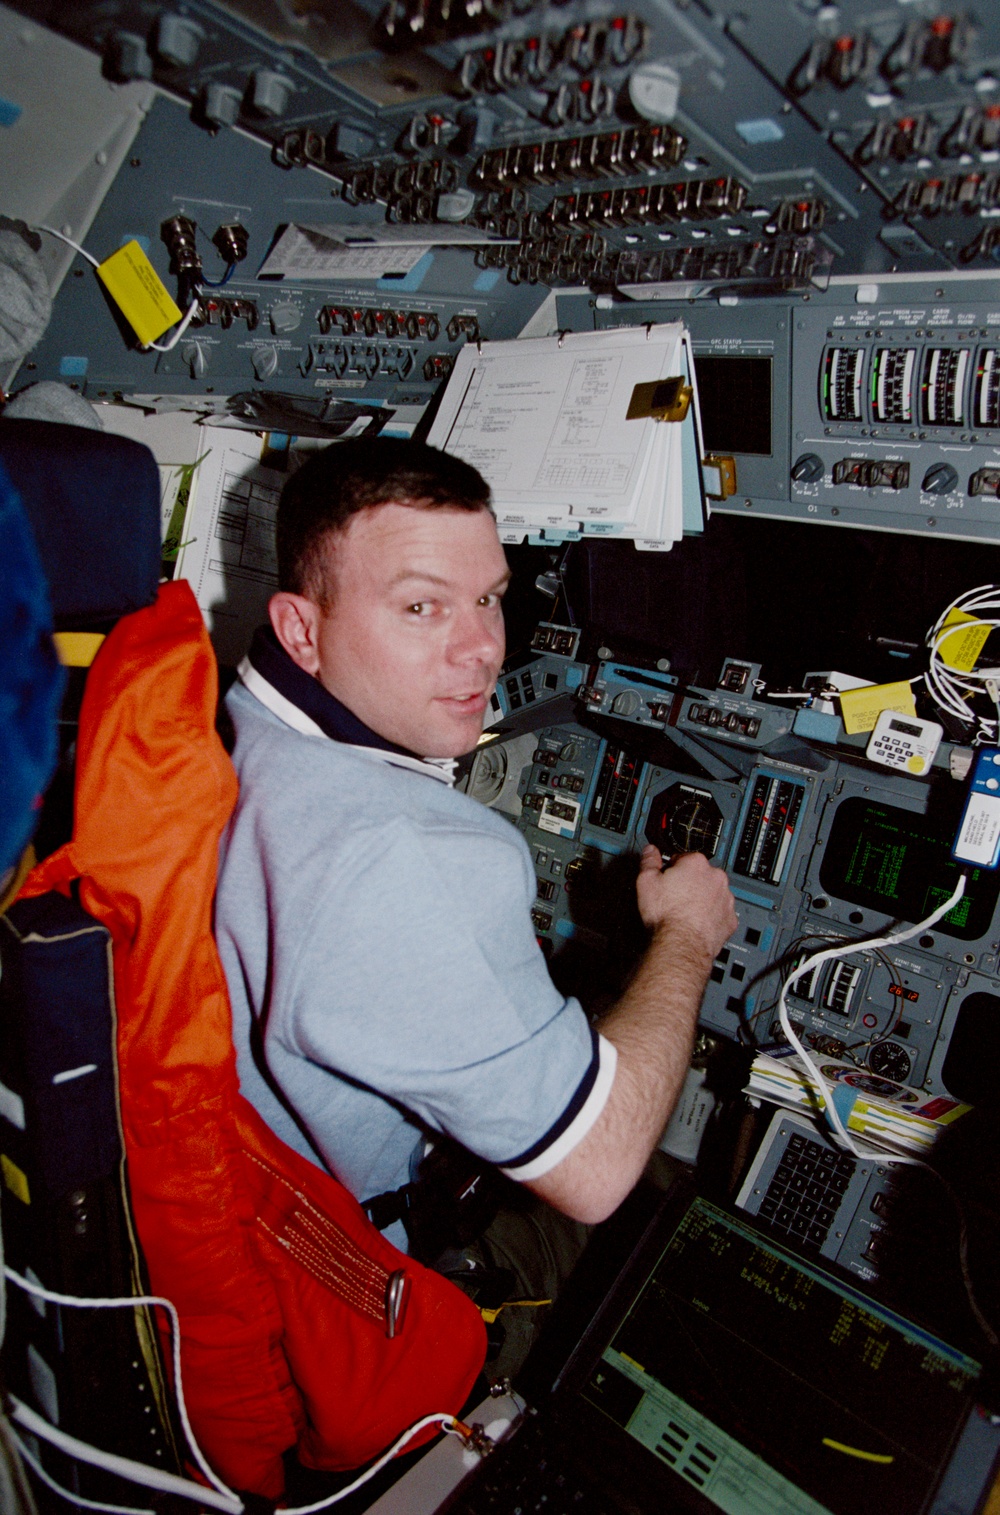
(725, 1372)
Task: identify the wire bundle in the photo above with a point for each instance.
(866, 944)
(952, 689)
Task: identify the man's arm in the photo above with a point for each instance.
(689, 910)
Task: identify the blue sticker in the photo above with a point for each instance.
(134, 236)
(411, 281)
(73, 368)
(485, 281)
(764, 129)
(9, 112)
(843, 1100)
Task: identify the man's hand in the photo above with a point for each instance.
(689, 910)
(689, 898)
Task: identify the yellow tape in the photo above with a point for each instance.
(489, 1315)
(861, 708)
(77, 649)
(16, 1181)
(840, 1446)
(24, 866)
(961, 650)
(136, 288)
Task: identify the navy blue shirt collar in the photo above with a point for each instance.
(333, 718)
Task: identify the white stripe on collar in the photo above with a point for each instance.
(287, 711)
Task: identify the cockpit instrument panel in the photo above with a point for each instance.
(820, 846)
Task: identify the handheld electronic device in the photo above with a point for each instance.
(904, 742)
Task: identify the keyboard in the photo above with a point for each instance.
(818, 1198)
(530, 1475)
(806, 1190)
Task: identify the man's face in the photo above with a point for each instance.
(414, 639)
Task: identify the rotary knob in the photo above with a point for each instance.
(807, 469)
(265, 361)
(193, 354)
(626, 703)
(941, 478)
(654, 91)
(285, 319)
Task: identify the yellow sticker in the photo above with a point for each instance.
(77, 649)
(136, 288)
(15, 1180)
(861, 708)
(962, 648)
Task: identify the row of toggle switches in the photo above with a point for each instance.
(636, 150)
(710, 715)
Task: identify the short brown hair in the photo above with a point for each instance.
(347, 477)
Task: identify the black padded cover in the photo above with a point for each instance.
(93, 500)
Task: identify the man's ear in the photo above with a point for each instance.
(295, 620)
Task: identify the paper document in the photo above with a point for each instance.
(177, 443)
(228, 553)
(544, 421)
(879, 1109)
(361, 251)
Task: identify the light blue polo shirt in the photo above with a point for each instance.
(375, 930)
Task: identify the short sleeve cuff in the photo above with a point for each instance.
(576, 1120)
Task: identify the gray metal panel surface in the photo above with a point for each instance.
(176, 168)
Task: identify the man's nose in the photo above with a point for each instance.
(478, 636)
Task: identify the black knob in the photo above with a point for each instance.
(941, 478)
(807, 469)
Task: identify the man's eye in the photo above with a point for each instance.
(420, 607)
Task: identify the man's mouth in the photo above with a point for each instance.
(478, 700)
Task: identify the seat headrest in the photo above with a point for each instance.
(31, 681)
(93, 501)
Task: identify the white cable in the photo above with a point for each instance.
(77, 1499)
(182, 328)
(445, 1421)
(170, 1483)
(69, 242)
(132, 1302)
(829, 954)
(186, 319)
(123, 1467)
(951, 688)
(223, 1498)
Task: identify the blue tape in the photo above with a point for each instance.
(843, 1099)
